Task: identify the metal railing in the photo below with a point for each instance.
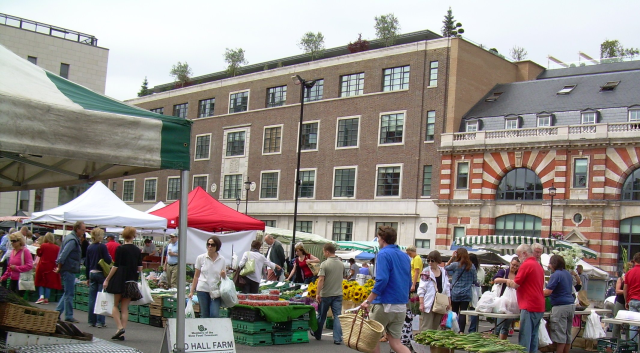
(50, 30)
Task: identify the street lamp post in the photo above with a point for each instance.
(247, 186)
(552, 193)
(303, 84)
(238, 204)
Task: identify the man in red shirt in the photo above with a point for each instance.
(632, 289)
(529, 284)
(112, 245)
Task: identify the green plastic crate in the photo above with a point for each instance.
(284, 337)
(133, 309)
(260, 339)
(329, 323)
(33, 296)
(133, 317)
(615, 345)
(81, 289)
(143, 310)
(224, 313)
(252, 327)
(81, 298)
(293, 325)
(300, 337)
(168, 313)
(143, 320)
(170, 302)
(82, 307)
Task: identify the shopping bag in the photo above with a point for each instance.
(228, 293)
(189, 313)
(510, 301)
(475, 295)
(314, 267)
(543, 335)
(594, 329)
(249, 267)
(104, 303)
(26, 281)
(145, 290)
(486, 302)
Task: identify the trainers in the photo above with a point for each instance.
(72, 320)
(44, 302)
(40, 301)
(101, 325)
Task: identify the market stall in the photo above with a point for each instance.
(508, 243)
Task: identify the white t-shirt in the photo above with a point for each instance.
(260, 261)
(209, 279)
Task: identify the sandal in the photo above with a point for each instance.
(119, 333)
(384, 339)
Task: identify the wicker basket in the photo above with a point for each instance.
(359, 333)
(28, 318)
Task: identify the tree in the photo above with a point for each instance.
(450, 28)
(234, 58)
(312, 43)
(387, 28)
(144, 89)
(182, 73)
(614, 49)
(359, 45)
(518, 53)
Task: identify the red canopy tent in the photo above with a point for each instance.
(208, 214)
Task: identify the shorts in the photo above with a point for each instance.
(560, 323)
(392, 322)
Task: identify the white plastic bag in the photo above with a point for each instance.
(594, 329)
(475, 295)
(145, 290)
(486, 302)
(228, 292)
(454, 323)
(234, 261)
(188, 310)
(510, 301)
(104, 304)
(543, 335)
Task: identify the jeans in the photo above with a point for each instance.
(69, 288)
(634, 305)
(617, 328)
(473, 324)
(209, 308)
(529, 325)
(44, 292)
(335, 303)
(95, 285)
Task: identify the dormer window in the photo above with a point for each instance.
(511, 123)
(472, 126)
(494, 97)
(589, 118)
(566, 89)
(634, 115)
(544, 120)
(609, 86)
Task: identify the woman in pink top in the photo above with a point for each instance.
(20, 261)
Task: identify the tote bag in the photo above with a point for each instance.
(26, 281)
(104, 303)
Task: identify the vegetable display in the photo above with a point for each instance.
(473, 342)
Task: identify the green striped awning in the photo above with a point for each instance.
(366, 246)
(508, 243)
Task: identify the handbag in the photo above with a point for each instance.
(314, 267)
(26, 281)
(440, 304)
(249, 267)
(104, 304)
(359, 332)
(106, 268)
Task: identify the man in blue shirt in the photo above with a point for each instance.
(389, 297)
(171, 266)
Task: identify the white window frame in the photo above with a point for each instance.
(317, 137)
(277, 185)
(242, 190)
(469, 124)
(144, 190)
(246, 138)
(573, 169)
(437, 73)
(583, 114)
(548, 117)
(355, 183)
(195, 147)
(193, 179)
(239, 91)
(315, 182)
(375, 190)
(404, 125)
(510, 121)
(453, 230)
(359, 117)
(264, 131)
(636, 112)
(168, 199)
(468, 186)
(133, 192)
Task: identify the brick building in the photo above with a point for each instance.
(372, 126)
(575, 129)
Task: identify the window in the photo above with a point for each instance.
(519, 225)
(423, 228)
(634, 114)
(33, 60)
(232, 186)
(566, 89)
(180, 110)
(269, 223)
(307, 183)
(150, 189)
(577, 218)
(158, 111)
(127, 190)
(426, 180)
(459, 232)
(395, 79)
(347, 135)
(462, 180)
(64, 70)
(37, 201)
(631, 187)
(201, 181)
(544, 120)
(315, 93)
(388, 182)
(589, 118)
(173, 188)
(629, 238)
(238, 102)
(24, 201)
(114, 186)
(472, 126)
(304, 226)
(580, 173)
(391, 128)
(393, 225)
(493, 97)
(351, 85)
(272, 138)
(276, 96)
(203, 142)
(342, 231)
(431, 125)
(433, 74)
(344, 182)
(205, 107)
(423, 243)
(269, 185)
(309, 136)
(511, 124)
(520, 184)
(235, 143)
(609, 86)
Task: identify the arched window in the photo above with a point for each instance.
(519, 224)
(631, 188)
(629, 238)
(520, 184)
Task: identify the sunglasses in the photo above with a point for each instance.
(431, 260)
(211, 245)
(15, 241)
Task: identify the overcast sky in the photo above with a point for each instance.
(145, 38)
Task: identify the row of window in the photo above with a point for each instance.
(343, 231)
(64, 68)
(393, 79)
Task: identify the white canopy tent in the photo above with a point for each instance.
(590, 270)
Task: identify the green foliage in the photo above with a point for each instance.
(312, 43)
(387, 28)
(234, 59)
(449, 26)
(181, 73)
(614, 49)
(144, 89)
(518, 53)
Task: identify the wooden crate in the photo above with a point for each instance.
(28, 318)
(155, 310)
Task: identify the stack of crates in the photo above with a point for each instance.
(143, 314)
(81, 298)
(133, 313)
(169, 307)
(250, 328)
(155, 312)
(293, 331)
(616, 345)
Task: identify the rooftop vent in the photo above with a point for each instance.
(494, 97)
(609, 86)
(566, 89)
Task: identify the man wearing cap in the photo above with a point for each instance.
(171, 265)
(112, 245)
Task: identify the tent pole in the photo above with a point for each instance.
(182, 255)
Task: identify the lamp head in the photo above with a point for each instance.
(297, 80)
(552, 190)
(238, 201)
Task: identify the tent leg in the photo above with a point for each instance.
(182, 255)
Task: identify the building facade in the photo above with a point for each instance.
(573, 129)
(369, 152)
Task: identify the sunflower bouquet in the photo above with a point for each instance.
(355, 292)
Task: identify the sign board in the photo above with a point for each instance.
(202, 335)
